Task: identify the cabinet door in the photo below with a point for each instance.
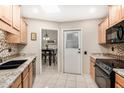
(114, 14)
(120, 80)
(102, 31)
(104, 27)
(6, 13)
(117, 85)
(16, 17)
(26, 81)
(23, 32)
(20, 86)
(92, 69)
(30, 77)
(122, 11)
(17, 83)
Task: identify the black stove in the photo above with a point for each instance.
(104, 74)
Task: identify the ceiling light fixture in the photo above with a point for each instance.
(46, 37)
(35, 10)
(92, 10)
(51, 8)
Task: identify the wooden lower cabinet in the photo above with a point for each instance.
(17, 83)
(119, 81)
(92, 68)
(20, 86)
(30, 75)
(25, 79)
(117, 85)
(25, 76)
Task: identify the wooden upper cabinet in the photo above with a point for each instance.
(114, 14)
(102, 31)
(16, 17)
(23, 32)
(122, 11)
(6, 14)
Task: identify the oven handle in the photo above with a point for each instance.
(104, 77)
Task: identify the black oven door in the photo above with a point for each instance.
(101, 78)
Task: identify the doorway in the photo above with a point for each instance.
(72, 51)
(49, 50)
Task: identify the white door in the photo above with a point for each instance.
(72, 55)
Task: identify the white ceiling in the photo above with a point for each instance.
(67, 12)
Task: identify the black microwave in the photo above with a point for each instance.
(115, 34)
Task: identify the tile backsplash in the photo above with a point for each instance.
(118, 49)
(4, 45)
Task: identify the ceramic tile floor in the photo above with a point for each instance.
(50, 78)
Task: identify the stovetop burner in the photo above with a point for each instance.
(108, 64)
(114, 63)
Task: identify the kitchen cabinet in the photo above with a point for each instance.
(92, 68)
(117, 85)
(102, 31)
(17, 83)
(20, 37)
(25, 76)
(23, 38)
(6, 14)
(30, 75)
(16, 17)
(122, 11)
(119, 81)
(12, 38)
(114, 14)
(25, 79)
(5, 27)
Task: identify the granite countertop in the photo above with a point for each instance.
(119, 71)
(7, 77)
(101, 56)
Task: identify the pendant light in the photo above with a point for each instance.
(46, 37)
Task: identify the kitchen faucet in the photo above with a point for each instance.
(9, 50)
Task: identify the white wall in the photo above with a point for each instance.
(34, 46)
(90, 39)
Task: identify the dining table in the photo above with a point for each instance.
(49, 53)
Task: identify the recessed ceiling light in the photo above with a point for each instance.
(50, 8)
(92, 10)
(35, 10)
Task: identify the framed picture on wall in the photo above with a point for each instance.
(33, 36)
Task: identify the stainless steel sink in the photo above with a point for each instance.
(12, 64)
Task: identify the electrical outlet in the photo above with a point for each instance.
(113, 48)
(9, 50)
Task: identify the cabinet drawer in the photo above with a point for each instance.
(117, 85)
(25, 72)
(119, 80)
